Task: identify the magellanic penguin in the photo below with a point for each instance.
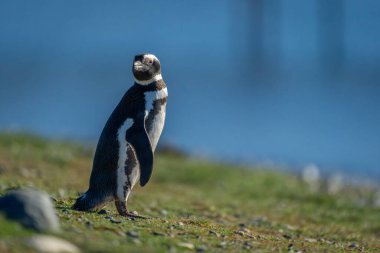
(125, 149)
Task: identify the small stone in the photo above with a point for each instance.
(335, 183)
(201, 248)
(311, 176)
(222, 244)
(133, 234)
(136, 241)
(61, 193)
(33, 209)
(241, 225)
(212, 232)
(135, 213)
(51, 244)
(247, 245)
(172, 249)
(353, 245)
(246, 230)
(287, 236)
(25, 172)
(260, 221)
(103, 211)
(158, 233)
(108, 217)
(237, 215)
(311, 240)
(89, 225)
(240, 232)
(186, 245)
(115, 221)
(121, 233)
(290, 227)
(181, 224)
(163, 212)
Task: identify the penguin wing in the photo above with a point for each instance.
(138, 138)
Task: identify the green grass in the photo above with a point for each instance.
(214, 207)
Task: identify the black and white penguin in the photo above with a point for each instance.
(125, 149)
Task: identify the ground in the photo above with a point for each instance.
(194, 205)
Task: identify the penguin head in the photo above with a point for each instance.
(146, 69)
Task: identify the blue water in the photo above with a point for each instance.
(63, 69)
(334, 124)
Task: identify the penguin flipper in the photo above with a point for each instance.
(140, 142)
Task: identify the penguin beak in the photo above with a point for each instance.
(139, 66)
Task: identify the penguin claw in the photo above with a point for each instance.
(135, 216)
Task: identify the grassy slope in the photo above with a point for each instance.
(215, 208)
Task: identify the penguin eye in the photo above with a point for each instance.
(150, 62)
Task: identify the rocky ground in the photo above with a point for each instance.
(193, 205)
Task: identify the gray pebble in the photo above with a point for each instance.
(133, 234)
(115, 221)
(103, 211)
(222, 244)
(201, 248)
(158, 233)
(136, 241)
(89, 225)
(353, 245)
(51, 244)
(31, 208)
(212, 232)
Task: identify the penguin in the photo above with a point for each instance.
(124, 153)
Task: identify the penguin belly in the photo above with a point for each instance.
(155, 122)
(128, 171)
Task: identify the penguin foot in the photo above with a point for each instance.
(121, 207)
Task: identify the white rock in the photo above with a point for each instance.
(185, 245)
(311, 176)
(32, 208)
(51, 244)
(335, 183)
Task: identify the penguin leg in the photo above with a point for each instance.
(121, 205)
(127, 178)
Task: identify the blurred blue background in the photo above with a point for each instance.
(274, 82)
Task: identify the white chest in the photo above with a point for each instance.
(155, 112)
(156, 126)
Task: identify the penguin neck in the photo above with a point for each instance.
(153, 86)
(148, 82)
